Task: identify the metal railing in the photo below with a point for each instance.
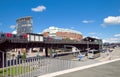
(68, 42)
(32, 67)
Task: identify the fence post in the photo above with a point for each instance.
(13, 64)
(21, 66)
(6, 65)
(10, 65)
(19, 62)
(25, 68)
(31, 66)
(16, 67)
(3, 62)
(39, 64)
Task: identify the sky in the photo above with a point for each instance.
(94, 18)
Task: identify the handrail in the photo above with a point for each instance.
(53, 41)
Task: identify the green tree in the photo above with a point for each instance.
(24, 56)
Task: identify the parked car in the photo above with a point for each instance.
(93, 54)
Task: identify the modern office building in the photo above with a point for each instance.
(61, 33)
(24, 25)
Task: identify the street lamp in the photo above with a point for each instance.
(99, 44)
(87, 44)
(87, 47)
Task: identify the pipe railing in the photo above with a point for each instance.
(36, 66)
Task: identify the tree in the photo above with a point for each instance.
(24, 56)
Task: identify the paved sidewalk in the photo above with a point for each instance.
(102, 69)
(106, 70)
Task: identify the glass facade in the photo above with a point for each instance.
(24, 25)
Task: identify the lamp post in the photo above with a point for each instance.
(99, 44)
(87, 47)
(87, 44)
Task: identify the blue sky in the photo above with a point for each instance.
(95, 18)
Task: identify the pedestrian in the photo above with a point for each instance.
(108, 54)
(80, 56)
(74, 51)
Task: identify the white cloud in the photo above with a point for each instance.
(111, 20)
(114, 39)
(40, 33)
(13, 26)
(95, 37)
(14, 32)
(111, 40)
(84, 36)
(117, 35)
(39, 8)
(88, 21)
(92, 33)
(104, 40)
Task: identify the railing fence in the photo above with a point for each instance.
(32, 67)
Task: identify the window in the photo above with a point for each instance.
(14, 36)
(2, 35)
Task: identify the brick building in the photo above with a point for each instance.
(60, 33)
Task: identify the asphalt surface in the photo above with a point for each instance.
(106, 70)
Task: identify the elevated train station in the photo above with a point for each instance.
(31, 40)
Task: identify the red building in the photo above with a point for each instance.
(62, 33)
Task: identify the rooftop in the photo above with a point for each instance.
(56, 29)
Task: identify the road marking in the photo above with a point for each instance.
(77, 68)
